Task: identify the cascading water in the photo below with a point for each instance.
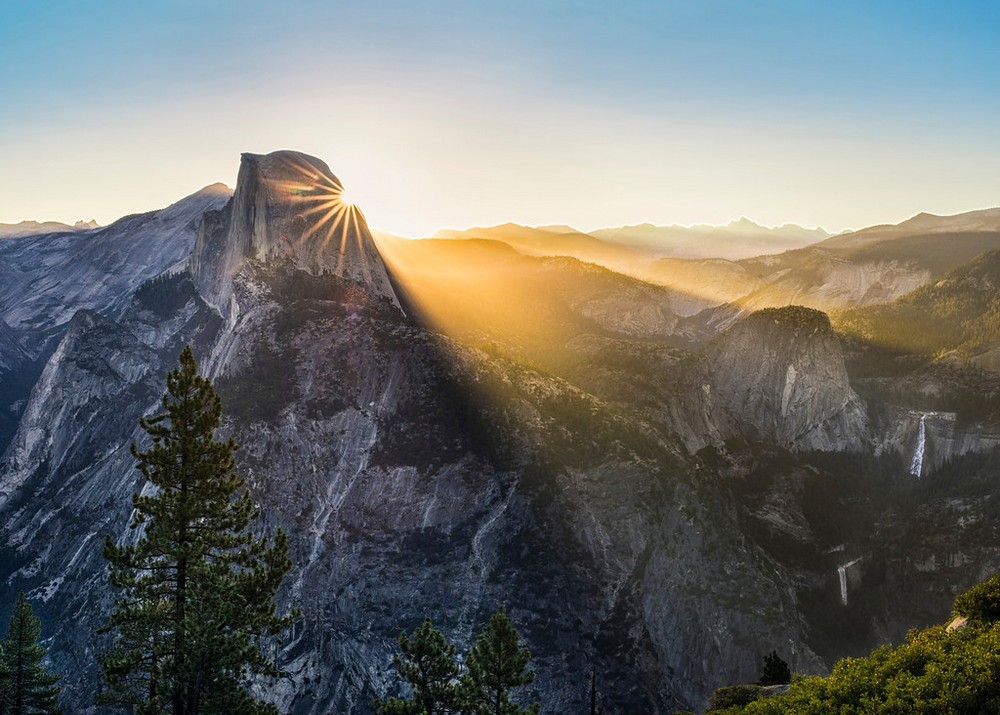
(917, 465)
(842, 575)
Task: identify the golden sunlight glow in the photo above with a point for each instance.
(693, 284)
(328, 210)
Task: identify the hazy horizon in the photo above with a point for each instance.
(481, 225)
(541, 226)
(444, 115)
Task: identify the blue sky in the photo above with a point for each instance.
(451, 114)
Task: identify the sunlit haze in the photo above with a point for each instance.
(449, 114)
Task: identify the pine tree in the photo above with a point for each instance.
(775, 671)
(25, 685)
(427, 663)
(196, 585)
(497, 663)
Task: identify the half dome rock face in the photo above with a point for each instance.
(290, 207)
(780, 372)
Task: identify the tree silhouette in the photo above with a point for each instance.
(25, 685)
(196, 587)
(496, 664)
(427, 663)
(775, 671)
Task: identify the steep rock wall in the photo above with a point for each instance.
(780, 373)
(945, 438)
(286, 206)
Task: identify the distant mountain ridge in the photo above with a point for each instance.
(53, 276)
(741, 238)
(753, 267)
(34, 228)
(981, 220)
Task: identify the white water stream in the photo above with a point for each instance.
(842, 575)
(917, 465)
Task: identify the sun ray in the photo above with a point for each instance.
(317, 225)
(363, 259)
(330, 231)
(337, 220)
(340, 255)
(338, 217)
(307, 171)
(324, 204)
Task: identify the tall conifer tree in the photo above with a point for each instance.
(26, 687)
(426, 661)
(497, 663)
(196, 587)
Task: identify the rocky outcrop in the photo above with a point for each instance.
(780, 373)
(15, 378)
(45, 280)
(616, 304)
(96, 361)
(823, 280)
(286, 206)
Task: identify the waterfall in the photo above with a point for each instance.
(917, 465)
(842, 576)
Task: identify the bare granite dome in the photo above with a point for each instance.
(781, 371)
(287, 206)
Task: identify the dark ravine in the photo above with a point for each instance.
(635, 512)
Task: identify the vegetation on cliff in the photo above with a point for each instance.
(960, 312)
(952, 668)
(26, 686)
(196, 586)
(796, 317)
(439, 685)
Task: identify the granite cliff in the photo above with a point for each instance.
(780, 373)
(287, 206)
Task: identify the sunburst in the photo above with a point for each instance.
(327, 208)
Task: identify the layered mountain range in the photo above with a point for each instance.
(32, 228)
(664, 468)
(738, 239)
